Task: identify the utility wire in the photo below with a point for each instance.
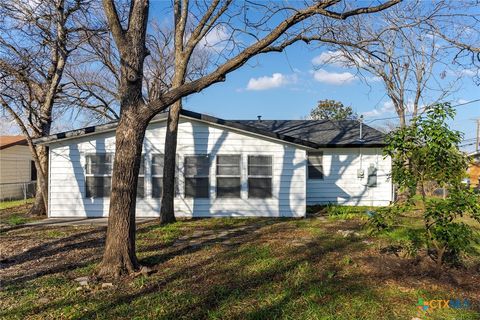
(411, 115)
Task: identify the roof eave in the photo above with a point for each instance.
(205, 118)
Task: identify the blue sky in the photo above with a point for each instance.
(285, 86)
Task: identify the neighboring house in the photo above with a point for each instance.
(226, 167)
(473, 170)
(17, 170)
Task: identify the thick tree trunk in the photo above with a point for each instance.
(119, 257)
(39, 207)
(167, 211)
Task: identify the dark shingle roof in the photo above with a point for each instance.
(325, 133)
(308, 133)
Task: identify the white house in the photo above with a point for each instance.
(17, 170)
(226, 167)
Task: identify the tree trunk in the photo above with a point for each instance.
(167, 211)
(119, 257)
(39, 207)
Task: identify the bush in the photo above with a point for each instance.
(384, 218)
(448, 238)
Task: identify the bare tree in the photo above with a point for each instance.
(36, 40)
(396, 50)
(282, 28)
(458, 24)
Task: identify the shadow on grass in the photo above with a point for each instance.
(235, 272)
(51, 256)
(239, 275)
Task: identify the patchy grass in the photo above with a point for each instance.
(14, 203)
(231, 269)
(15, 213)
(339, 212)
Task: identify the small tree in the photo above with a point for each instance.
(426, 151)
(447, 235)
(332, 110)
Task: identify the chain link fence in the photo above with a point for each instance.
(17, 190)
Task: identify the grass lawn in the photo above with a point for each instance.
(14, 203)
(314, 268)
(14, 213)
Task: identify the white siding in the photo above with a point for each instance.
(67, 174)
(14, 170)
(341, 184)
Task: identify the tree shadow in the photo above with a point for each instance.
(35, 262)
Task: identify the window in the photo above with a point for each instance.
(98, 175)
(315, 165)
(33, 171)
(228, 176)
(259, 176)
(372, 176)
(196, 170)
(141, 179)
(157, 176)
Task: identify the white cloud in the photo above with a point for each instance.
(330, 57)
(374, 79)
(269, 82)
(386, 108)
(462, 101)
(335, 78)
(468, 72)
(216, 40)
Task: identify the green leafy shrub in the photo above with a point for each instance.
(384, 218)
(413, 243)
(447, 237)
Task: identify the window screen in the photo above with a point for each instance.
(157, 176)
(98, 175)
(228, 176)
(315, 165)
(141, 179)
(98, 182)
(196, 171)
(372, 176)
(259, 176)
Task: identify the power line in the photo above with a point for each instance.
(411, 115)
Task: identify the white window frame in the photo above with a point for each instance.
(87, 175)
(177, 190)
(315, 154)
(260, 176)
(239, 175)
(185, 177)
(142, 176)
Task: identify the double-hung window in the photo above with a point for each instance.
(98, 175)
(228, 176)
(196, 171)
(98, 182)
(141, 179)
(315, 165)
(157, 176)
(259, 176)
